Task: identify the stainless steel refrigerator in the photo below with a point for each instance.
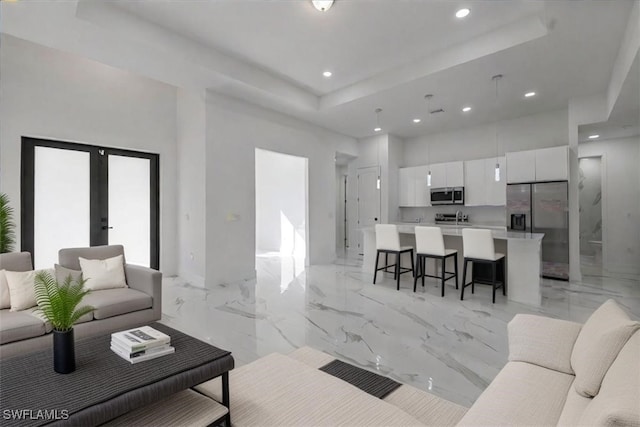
(543, 208)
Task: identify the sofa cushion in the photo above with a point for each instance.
(618, 402)
(574, 407)
(598, 344)
(426, 407)
(114, 302)
(22, 288)
(16, 261)
(521, 394)
(5, 299)
(19, 325)
(103, 273)
(277, 390)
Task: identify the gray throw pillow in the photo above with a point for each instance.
(63, 272)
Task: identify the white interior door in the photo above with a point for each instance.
(368, 200)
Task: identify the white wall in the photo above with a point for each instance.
(620, 201)
(542, 130)
(281, 191)
(234, 130)
(50, 94)
(396, 159)
(191, 137)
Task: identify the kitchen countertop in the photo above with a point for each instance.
(456, 230)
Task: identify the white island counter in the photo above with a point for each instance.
(523, 256)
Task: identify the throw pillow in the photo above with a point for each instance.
(63, 272)
(103, 273)
(22, 289)
(5, 300)
(597, 346)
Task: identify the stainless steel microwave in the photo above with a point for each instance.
(447, 196)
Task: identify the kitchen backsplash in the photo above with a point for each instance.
(483, 215)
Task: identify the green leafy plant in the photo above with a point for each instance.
(7, 226)
(59, 302)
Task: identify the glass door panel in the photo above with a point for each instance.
(129, 207)
(62, 192)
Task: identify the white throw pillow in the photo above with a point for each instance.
(5, 299)
(22, 288)
(602, 336)
(103, 273)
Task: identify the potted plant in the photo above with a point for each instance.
(58, 303)
(7, 226)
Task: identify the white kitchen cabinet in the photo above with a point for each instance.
(475, 183)
(412, 187)
(454, 172)
(552, 164)
(438, 175)
(521, 167)
(496, 191)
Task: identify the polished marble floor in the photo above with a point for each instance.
(450, 347)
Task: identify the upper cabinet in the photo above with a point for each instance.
(552, 164)
(547, 164)
(481, 187)
(413, 191)
(447, 174)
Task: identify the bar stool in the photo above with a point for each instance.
(388, 242)
(430, 244)
(479, 249)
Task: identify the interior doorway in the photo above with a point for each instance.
(76, 195)
(590, 199)
(281, 204)
(368, 200)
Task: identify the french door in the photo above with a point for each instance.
(76, 195)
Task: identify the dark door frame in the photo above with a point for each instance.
(99, 195)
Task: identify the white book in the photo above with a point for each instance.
(141, 338)
(144, 357)
(132, 354)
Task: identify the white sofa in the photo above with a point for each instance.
(552, 364)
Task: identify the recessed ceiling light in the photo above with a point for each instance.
(529, 94)
(466, 109)
(462, 13)
(322, 5)
(416, 120)
(594, 136)
(377, 129)
(327, 74)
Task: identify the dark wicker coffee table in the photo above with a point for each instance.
(104, 386)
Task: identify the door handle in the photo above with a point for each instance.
(104, 227)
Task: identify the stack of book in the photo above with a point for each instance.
(140, 344)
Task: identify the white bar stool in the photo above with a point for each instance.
(388, 242)
(430, 244)
(479, 249)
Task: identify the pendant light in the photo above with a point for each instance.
(322, 5)
(378, 129)
(428, 98)
(496, 79)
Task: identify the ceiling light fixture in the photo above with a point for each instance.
(529, 94)
(428, 98)
(416, 120)
(322, 5)
(378, 128)
(496, 79)
(594, 136)
(463, 13)
(327, 74)
(466, 109)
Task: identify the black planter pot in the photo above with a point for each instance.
(64, 354)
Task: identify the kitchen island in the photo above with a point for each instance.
(522, 250)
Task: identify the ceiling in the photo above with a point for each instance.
(383, 54)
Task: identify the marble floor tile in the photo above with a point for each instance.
(450, 347)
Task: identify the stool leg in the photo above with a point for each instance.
(386, 262)
(415, 277)
(397, 277)
(504, 277)
(413, 266)
(473, 282)
(493, 279)
(464, 278)
(455, 268)
(424, 269)
(444, 262)
(375, 273)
